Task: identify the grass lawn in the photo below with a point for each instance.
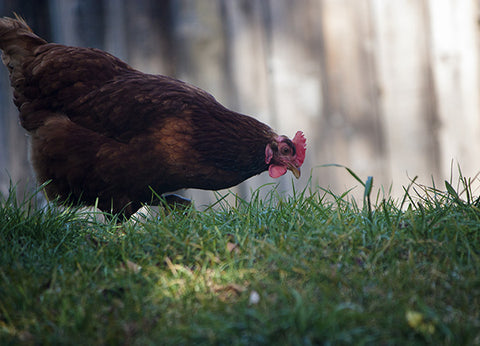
(316, 268)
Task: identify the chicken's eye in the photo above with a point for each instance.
(285, 151)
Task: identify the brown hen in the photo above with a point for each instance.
(103, 132)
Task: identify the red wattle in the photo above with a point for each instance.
(276, 171)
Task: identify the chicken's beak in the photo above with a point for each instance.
(295, 170)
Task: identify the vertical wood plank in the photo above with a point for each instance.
(352, 127)
(455, 59)
(407, 96)
(78, 22)
(148, 36)
(200, 46)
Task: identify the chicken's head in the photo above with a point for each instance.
(284, 154)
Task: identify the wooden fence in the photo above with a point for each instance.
(389, 88)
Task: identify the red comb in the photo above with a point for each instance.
(300, 146)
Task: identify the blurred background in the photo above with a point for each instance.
(389, 88)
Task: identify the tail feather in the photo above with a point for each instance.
(18, 42)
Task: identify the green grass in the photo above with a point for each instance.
(316, 268)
